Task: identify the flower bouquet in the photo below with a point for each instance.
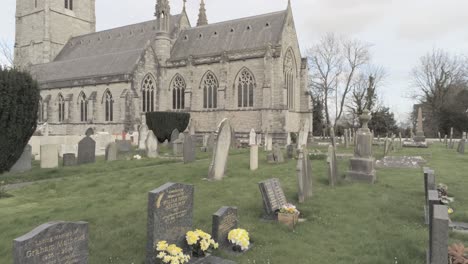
(200, 242)
(288, 215)
(170, 254)
(240, 239)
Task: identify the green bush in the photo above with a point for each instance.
(163, 123)
(19, 100)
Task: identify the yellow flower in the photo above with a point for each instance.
(173, 250)
(192, 238)
(450, 210)
(215, 245)
(161, 246)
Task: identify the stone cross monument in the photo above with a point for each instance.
(362, 164)
(419, 128)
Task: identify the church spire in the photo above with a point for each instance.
(163, 13)
(202, 19)
(183, 9)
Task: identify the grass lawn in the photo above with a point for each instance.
(351, 223)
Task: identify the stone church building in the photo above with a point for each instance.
(249, 70)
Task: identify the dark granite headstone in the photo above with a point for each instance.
(124, 146)
(54, 242)
(111, 151)
(273, 196)
(69, 159)
(224, 220)
(439, 236)
(24, 162)
(170, 216)
(189, 149)
(86, 151)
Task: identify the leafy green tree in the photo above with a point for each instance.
(19, 101)
(383, 122)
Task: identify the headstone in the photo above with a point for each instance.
(290, 150)
(461, 147)
(234, 143)
(124, 146)
(49, 156)
(174, 135)
(89, 132)
(386, 147)
(362, 165)
(86, 151)
(252, 137)
(440, 137)
(221, 151)
(142, 135)
(224, 220)
(439, 236)
(69, 159)
(288, 139)
(419, 128)
(277, 155)
(451, 138)
(253, 157)
(273, 197)
(151, 145)
(192, 129)
(303, 134)
(111, 151)
(304, 176)
(54, 242)
(189, 149)
(432, 199)
(429, 181)
(205, 140)
(24, 162)
(346, 140)
(268, 142)
(178, 147)
(446, 141)
(259, 139)
(170, 216)
(332, 166)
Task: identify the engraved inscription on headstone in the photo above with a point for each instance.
(170, 216)
(273, 196)
(54, 243)
(224, 220)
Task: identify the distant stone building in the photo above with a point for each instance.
(249, 70)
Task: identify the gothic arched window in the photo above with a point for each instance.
(61, 108)
(83, 107)
(289, 78)
(245, 84)
(147, 91)
(178, 92)
(210, 90)
(109, 105)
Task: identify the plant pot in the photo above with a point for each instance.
(289, 220)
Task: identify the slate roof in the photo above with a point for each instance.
(235, 35)
(100, 54)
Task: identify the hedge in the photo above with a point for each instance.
(19, 102)
(163, 123)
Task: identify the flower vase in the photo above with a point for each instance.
(289, 220)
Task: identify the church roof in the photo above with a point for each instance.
(107, 53)
(235, 35)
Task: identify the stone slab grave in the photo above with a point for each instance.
(404, 162)
(412, 144)
(124, 146)
(151, 145)
(304, 175)
(49, 156)
(273, 198)
(111, 152)
(86, 151)
(69, 159)
(142, 135)
(253, 157)
(54, 242)
(170, 216)
(24, 162)
(224, 220)
(221, 151)
(439, 236)
(189, 149)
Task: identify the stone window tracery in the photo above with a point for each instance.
(83, 107)
(61, 108)
(245, 84)
(210, 91)
(289, 78)
(178, 92)
(109, 105)
(147, 91)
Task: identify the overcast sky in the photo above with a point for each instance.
(401, 31)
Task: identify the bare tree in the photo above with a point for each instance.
(335, 63)
(6, 54)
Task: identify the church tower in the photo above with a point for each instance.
(162, 42)
(43, 27)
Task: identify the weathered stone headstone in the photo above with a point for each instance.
(288, 139)
(189, 149)
(86, 151)
(234, 143)
(461, 146)
(49, 156)
(253, 157)
(174, 135)
(419, 128)
(224, 220)
(259, 139)
(111, 151)
(451, 138)
(191, 128)
(268, 142)
(69, 159)
(124, 146)
(273, 197)
(170, 216)
(362, 165)
(24, 162)
(332, 166)
(346, 140)
(54, 242)
(277, 155)
(432, 199)
(429, 181)
(211, 141)
(290, 150)
(440, 137)
(142, 135)
(221, 151)
(439, 236)
(252, 137)
(151, 145)
(178, 147)
(304, 175)
(303, 134)
(386, 147)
